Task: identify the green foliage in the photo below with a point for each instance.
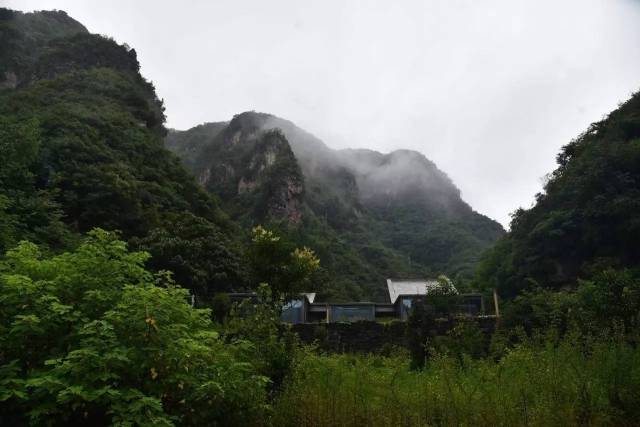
(612, 296)
(99, 165)
(443, 299)
(585, 221)
(540, 309)
(91, 336)
(610, 300)
(201, 257)
(25, 210)
(274, 260)
(23, 37)
(84, 51)
(81, 137)
(575, 383)
(465, 339)
(420, 330)
(259, 323)
(440, 303)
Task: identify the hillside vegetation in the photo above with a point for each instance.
(82, 141)
(106, 236)
(586, 219)
(368, 215)
(531, 385)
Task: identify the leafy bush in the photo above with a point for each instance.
(611, 296)
(91, 337)
(610, 299)
(465, 339)
(540, 309)
(441, 302)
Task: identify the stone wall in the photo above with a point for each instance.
(368, 336)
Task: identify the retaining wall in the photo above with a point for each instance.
(369, 336)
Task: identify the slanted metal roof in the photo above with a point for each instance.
(411, 287)
(310, 296)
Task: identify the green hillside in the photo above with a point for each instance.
(82, 141)
(587, 218)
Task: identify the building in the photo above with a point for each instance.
(297, 310)
(403, 294)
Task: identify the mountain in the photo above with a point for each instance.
(368, 215)
(25, 36)
(586, 219)
(82, 140)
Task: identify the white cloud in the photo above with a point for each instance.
(488, 90)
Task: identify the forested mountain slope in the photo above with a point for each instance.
(81, 136)
(586, 219)
(368, 215)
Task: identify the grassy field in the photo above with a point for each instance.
(573, 383)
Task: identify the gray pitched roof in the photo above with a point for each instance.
(411, 287)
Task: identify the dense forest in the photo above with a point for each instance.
(110, 224)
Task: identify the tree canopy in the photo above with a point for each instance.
(92, 337)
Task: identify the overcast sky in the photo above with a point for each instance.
(489, 90)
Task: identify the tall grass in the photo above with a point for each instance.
(572, 383)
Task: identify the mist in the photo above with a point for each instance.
(489, 91)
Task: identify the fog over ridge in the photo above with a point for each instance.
(489, 91)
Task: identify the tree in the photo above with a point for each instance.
(440, 301)
(201, 257)
(273, 260)
(259, 322)
(420, 324)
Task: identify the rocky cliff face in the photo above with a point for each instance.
(272, 175)
(251, 169)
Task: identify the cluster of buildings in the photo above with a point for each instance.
(403, 294)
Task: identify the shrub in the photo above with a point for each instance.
(464, 339)
(91, 337)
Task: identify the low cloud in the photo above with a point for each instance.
(488, 90)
